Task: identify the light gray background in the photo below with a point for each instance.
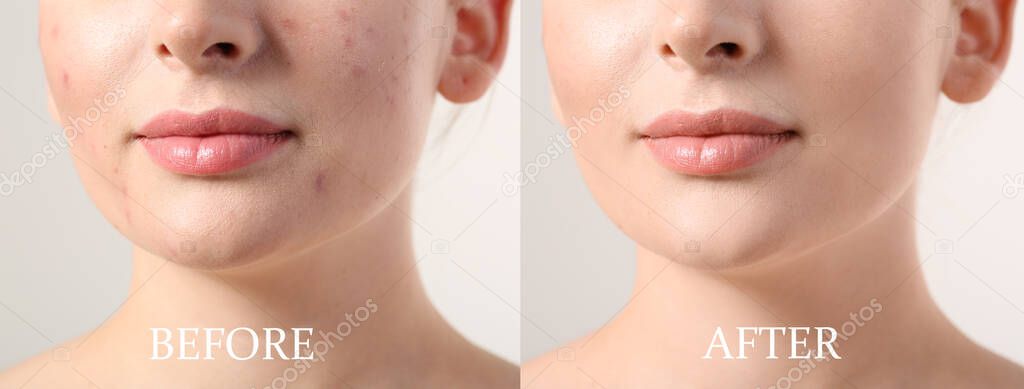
(578, 268)
(64, 269)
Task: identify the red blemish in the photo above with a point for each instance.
(344, 14)
(358, 70)
(289, 24)
(67, 80)
(320, 178)
(349, 43)
(55, 31)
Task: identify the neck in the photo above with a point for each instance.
(867, 285)
(361, 289)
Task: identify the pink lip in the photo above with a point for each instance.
(211, 143)
(713, 143)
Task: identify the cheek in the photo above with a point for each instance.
(590, 59)
(85, 63)
(871, 89)
(367, 91)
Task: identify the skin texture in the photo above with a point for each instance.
(298, 240)
(818, 230)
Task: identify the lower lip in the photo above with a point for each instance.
(715, 155)
(211, 155)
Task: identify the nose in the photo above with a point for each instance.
(703, 39)
(200, 37)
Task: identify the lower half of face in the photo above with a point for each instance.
(815, 128)
(347, 89)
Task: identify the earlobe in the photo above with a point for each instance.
(982, 49)
(477, 50)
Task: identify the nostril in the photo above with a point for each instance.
(726, 49)
(223, 49)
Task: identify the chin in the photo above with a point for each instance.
(209, 252)
(724, 254)
(749, 240)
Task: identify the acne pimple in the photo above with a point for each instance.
(66, 80)
(349, 43)
(344, 14)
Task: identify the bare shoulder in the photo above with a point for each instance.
(563, 367)
(50, 369)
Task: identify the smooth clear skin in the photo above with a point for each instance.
(799, 239)
(297, 240)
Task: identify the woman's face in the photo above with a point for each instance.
(345, 87)
(848, 88)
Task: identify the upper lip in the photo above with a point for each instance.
(215, 122)
(712, 123)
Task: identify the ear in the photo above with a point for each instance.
(477, 50)
(982, 49)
